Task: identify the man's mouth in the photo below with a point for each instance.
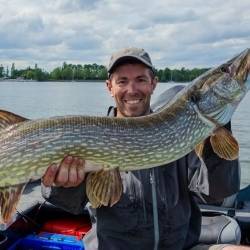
(132, 101)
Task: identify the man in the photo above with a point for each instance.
(157, 209)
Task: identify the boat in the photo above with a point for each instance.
(228, 222)
(41, 224)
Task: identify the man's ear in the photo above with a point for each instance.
(154, 82)
(109, 86)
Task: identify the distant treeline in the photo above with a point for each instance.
(71, 72)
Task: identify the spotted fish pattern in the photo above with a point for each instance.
(194, 113)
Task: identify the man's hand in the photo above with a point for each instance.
(69, 173)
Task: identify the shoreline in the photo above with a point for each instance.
(23, 80)
(102, 81)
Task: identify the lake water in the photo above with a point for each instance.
(45, 99)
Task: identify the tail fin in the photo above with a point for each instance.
(9, 197)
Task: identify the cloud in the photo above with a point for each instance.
(176, 33)
(69, 6)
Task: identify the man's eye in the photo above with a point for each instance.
(142, 80)
(121, 82)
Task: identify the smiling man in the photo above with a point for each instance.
(131, 85)
(157, 209)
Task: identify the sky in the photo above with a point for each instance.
(176, 33)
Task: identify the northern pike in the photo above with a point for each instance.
(195, 113)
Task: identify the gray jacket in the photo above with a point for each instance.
(129, 224)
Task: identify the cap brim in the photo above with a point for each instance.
(125, 58)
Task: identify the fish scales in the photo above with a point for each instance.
(44, 141)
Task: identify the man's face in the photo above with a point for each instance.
(132, 85)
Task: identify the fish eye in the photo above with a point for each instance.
(224, 69)
(194, 98)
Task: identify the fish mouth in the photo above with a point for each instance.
(239, 66)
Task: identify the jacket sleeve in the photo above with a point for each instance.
(215, 178)
(72, 199)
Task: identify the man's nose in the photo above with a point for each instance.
(131, 87)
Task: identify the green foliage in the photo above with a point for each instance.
(56, 74)
(79, 72)
(1, 71)
(13, 71)
(7, 72)
(176, 75)
(72, 72)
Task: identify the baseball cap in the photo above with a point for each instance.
(129, 53)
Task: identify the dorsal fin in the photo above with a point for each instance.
(7, 118)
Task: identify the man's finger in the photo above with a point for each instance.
(80, 171)
(63, 171)
(76, 173)
(50, 175)
(73, 173)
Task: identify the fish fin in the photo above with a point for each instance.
(7, 118)
(224, 144)
(199, 149)
(9, 197)
(104, 188)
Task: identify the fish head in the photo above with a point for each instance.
(218, 92)
(237, 70)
